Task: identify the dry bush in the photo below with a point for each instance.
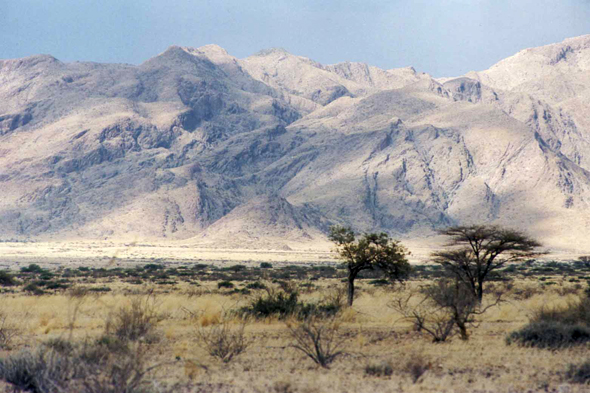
(90, 367)
(38, 371)
(224, 341)
(458, 301)
(135, 321)
(416, 366)
(432, 319)
(318, 340)
(526, 292)
(196, 292)
(8, 331)
(446, 308)
(76, 298)
(564, 290)
(577, 312)
(334, 299)
(118, 373)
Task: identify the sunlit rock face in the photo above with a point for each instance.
(269, 151)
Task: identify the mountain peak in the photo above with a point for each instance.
(29, 61)
(271, 51)
(213, 49)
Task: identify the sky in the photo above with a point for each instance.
(440, 37)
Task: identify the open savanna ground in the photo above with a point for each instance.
(154, 328)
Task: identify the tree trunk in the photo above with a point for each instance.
(479, 292)
(350, 290)
(463, 331)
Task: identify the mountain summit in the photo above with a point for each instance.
(270, 150)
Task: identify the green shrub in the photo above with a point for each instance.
(235, 268)
(286, 303)
(55, 285)
(153, 266)
(256, 285)
(32, 268)
(225, 284)
(279, 303)
(6, 279)
(46, 276)
(33, 289)
(266, 265)
(549, 335)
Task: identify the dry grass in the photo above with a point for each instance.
(374, 334)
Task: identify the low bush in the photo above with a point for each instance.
(99, 289)
(549, 335)
(153, 266)
(579, 373)
(383, 369)
(60, 345)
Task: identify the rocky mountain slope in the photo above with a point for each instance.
(269, 151)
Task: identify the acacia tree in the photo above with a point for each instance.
(478, 250)
(371, 251)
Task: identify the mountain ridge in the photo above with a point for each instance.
(196, 145)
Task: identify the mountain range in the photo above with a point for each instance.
(198, 146)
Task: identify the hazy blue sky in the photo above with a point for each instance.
(441, 37)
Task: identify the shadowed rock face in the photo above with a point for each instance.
(273, 149)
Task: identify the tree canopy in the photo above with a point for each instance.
(371, 251)
(476, 251)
